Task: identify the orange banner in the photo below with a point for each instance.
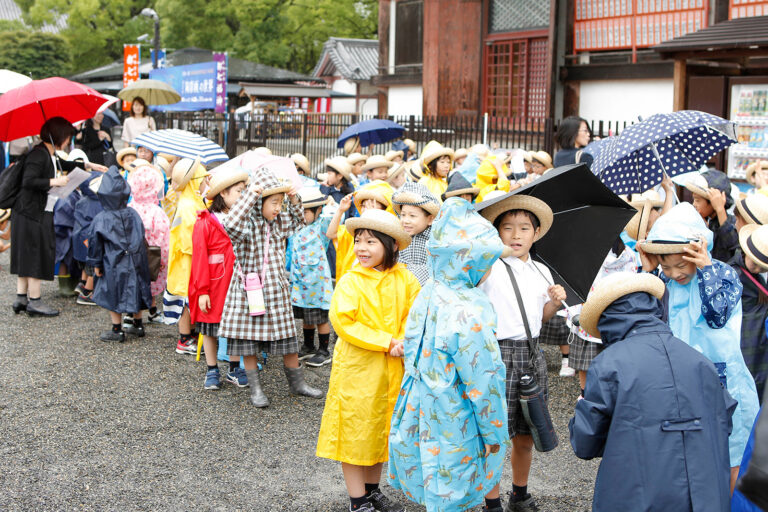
(131, 61)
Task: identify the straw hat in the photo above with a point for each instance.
(381, 221)
(378, 190)
(356, 158)
(280, 189)
(753, 239)
(340, 165)
(5, 215)
(377, 161)
(527, 156)
(699, 186)
(392, 154)
(414, 170)
(411, 145)
(543, 158)
(637, 227)
(752, 169)
(458, 185)
(183, 171)
(167, 156)
(753, 209)
(351, 145)
(637, 200)
(301, 162)
(311, 197)
(434, 150)
(665, 246)
(461, 153)
(415, 195)
(394, 172)
(480, 150)
(611, 288)
(139, 162)
(164, 164)
(521, 202)
(130, 150)
(263, 150)
(223, 180)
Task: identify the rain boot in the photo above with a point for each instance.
(298, 385)
(20, 304)
(258, 398)
(36, 307)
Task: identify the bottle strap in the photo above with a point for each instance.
(531, 346)
(751, 278)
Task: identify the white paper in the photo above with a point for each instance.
(76, 178)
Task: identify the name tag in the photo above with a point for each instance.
(215, 258)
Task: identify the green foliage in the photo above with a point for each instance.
(11, 25)
(282, 33)
(36, 54)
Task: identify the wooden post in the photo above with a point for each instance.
(680, 80)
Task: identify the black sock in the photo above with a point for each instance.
(582, 393)
(21, 295)
(34, 298)
(117, 327)
(138, 322)
(234, 365)
(369, 488)
(185, 337)
(153, 310)
(82, 282)
(309, 338)
(492, 503)
(356, 503)
(324, 340)
(214, 367)
(565, 356)
(87, 291)
(519, 493)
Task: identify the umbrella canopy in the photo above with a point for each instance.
(183, 144)
(24, 110)
(675, 143)
(372, 131)
(11, 80)
(153, 92)
(588, 219)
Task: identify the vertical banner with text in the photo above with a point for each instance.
(221, 81)
(131, 62)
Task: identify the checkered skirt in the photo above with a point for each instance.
(253, 348)
(311, 316)
(554, 331)
(515, 354)
(582, 353)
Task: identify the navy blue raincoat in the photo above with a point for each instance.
(86, 209)
(116, 245)
(655, 411)
(63, 224)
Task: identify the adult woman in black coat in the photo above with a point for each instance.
(572, 136)
(95, 140)
(33, 243)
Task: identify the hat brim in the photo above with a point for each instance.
(604, 296)
(346, 173)
(366, 193)
(429, 157)
(461, 192)
(397, 172)
(522, 202)
(744, 234)
(378, 163)
(282, 189)
(357, 159)
(188, 175)
(412, 199)
(637, 227)
(698, 190)
(314, 203)
(396, 231)
(664, 247)
(225, 183)
(746, 214)
(123, 153)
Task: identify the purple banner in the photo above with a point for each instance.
(221, 81)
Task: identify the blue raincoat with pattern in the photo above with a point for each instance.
(706, 314)
(451, 401)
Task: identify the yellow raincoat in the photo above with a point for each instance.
(180, 253)
(436, 185)
(368, 309)
(488, 179)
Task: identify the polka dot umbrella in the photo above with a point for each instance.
(637, 159)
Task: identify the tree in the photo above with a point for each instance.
(36, 54)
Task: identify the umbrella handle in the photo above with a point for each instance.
(548, 282)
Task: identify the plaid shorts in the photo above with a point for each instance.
(207, 329)
(282, 347)
(582, 353)
(554, 331)
(311, 316)
(515, 354)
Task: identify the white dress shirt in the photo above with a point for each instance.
(533, 288)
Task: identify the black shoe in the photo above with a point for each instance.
(135, 330)
(305, 352)
(39, 308)
(495, 509)
(528, 504)
(20, 304)
(117, 337)
(383, 504)
(321, 358)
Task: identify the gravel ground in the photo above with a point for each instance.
(93, 426)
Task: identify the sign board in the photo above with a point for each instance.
(202, 86)
(131, 62)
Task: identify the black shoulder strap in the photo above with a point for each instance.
(531, 346)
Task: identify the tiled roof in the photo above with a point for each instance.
(352, 59)
(747, 33)
(10, 11)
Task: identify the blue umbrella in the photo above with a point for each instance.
(372, 131)
(183, 144)
(671, 144)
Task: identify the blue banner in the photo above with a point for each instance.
(195, 82)
(160, 58)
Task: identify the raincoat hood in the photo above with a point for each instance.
(146, 185)
(378, 190)
(463, 245)
(114, 191)
(635, 313)
(193, 185)
(680, 224)
(265, 179)
(468, 167)
(719, 180)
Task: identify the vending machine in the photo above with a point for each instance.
(749, 110)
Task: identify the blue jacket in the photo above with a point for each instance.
(655, 411)
(85, 210)
(116, 245)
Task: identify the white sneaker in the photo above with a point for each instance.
(565, 370)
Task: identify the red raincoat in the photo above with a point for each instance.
(213, 262)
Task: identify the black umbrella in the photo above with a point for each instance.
(588, 218)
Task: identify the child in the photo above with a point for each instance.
(125, 156)
(438, 162)
(712, 198)
(86, 208)
(188, 179)
(752, 209)
(259, 227)
(459, 156)
(449, 435)
(396, 176)
(213, 262)
(751, 263)
(377, 167)
(458, 186)
(541, 162)
(653, 408)
(339, 183)
(757, 175)
(303, 168)
(417, 208)
(395, 156)
(704, 308)
(311, 278)
(368, 311)
(146, 185)
(356, 161)
(117, 253)
(521, 221)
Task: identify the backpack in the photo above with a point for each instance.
(10, 182)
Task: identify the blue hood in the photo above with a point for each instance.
(632, 314)
(114, 191)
